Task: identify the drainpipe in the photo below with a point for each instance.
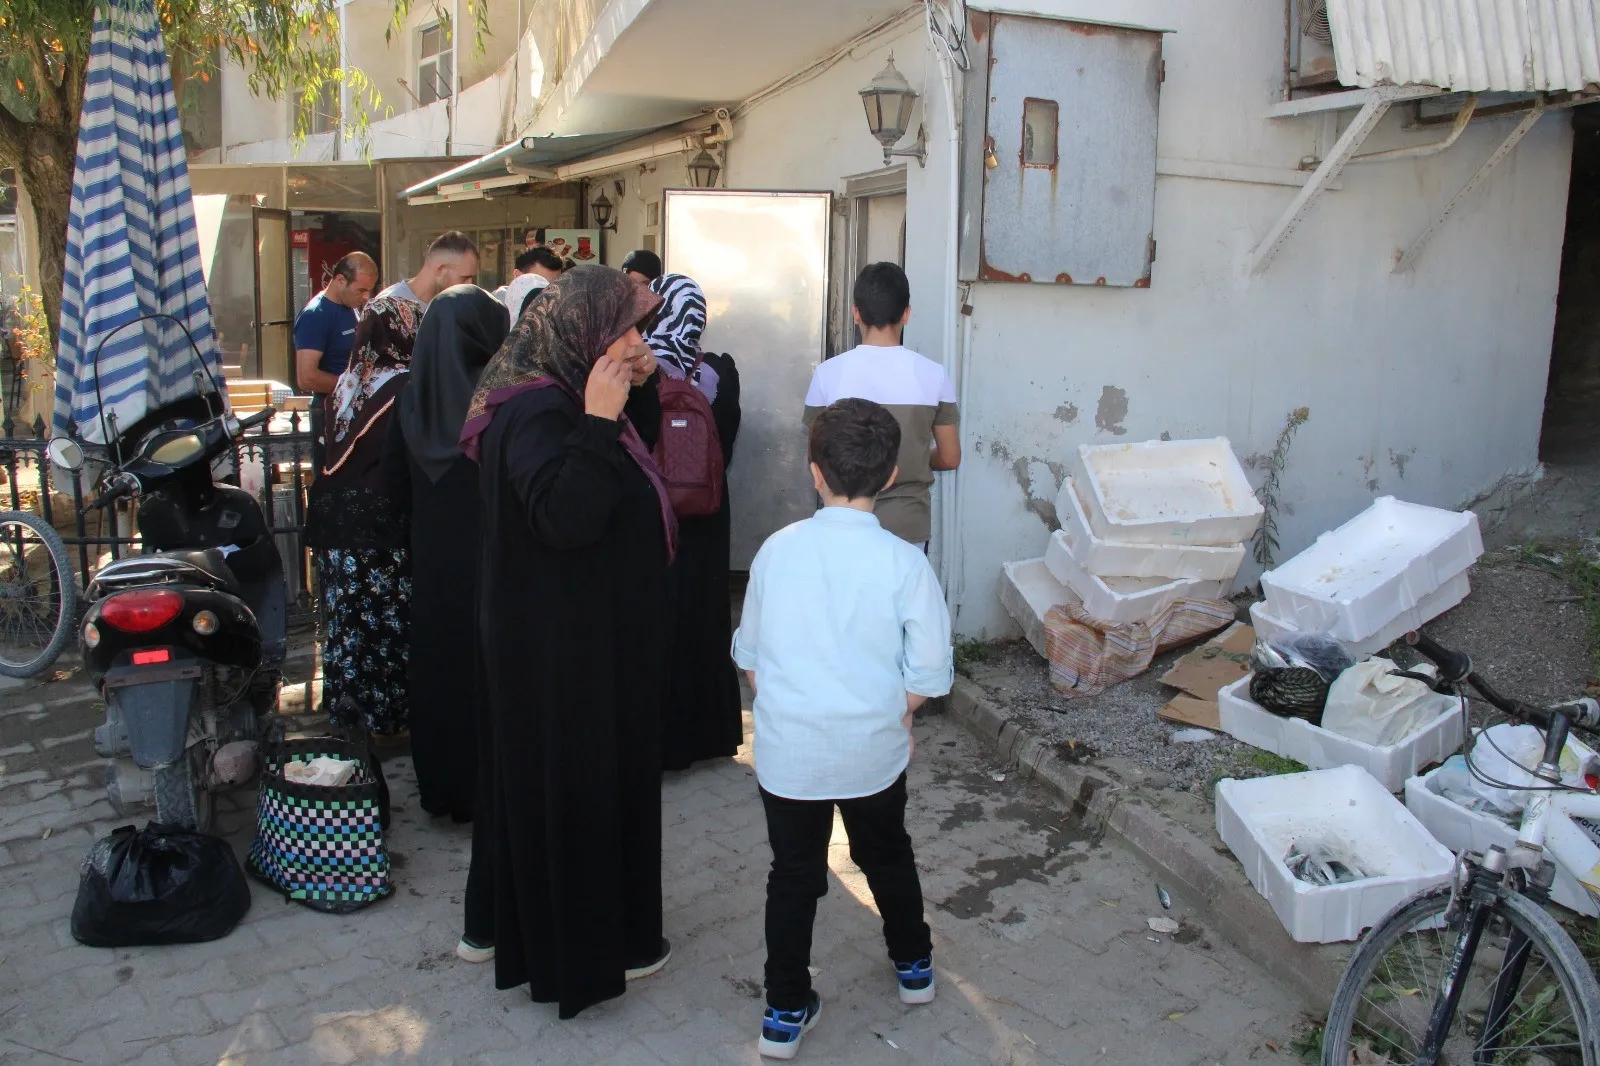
(455, 80)
(952, 550)
(344, 89)
(1463, 119)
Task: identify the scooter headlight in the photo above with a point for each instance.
(91, 635)
(205, 623)
(178, 451)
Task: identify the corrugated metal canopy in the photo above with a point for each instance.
(530, 152)
(1468, 45)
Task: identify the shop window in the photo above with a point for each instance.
(435, 75)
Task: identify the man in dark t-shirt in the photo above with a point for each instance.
(324, 333)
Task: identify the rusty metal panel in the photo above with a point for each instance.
(1080, 211)
(1468, 45)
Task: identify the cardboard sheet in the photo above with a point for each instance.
(1214, 665)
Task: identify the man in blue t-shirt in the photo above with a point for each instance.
(325, 331)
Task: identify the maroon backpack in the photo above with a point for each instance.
(689, 452)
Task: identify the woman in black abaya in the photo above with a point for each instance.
(578, 533)
(462, 330)
(700, 718)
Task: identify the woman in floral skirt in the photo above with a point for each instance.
(358, 527)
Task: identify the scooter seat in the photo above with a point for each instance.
(212, 562)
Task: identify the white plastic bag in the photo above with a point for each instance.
(1507, 753)
(1368, 703)
(323, 770)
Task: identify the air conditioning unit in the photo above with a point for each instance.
(1311, 48)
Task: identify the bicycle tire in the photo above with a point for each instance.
(66, 595)
(1566, 961)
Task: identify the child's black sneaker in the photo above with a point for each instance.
(916, 980)
(781, 1030)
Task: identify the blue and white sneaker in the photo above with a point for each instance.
(781, 1030)
(916, 980)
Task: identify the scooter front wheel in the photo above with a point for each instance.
(181, 796)
(38, 595)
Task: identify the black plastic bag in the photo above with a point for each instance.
(158, 885)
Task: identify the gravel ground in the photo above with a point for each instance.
(1525, 644)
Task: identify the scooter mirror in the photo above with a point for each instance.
(66, 453)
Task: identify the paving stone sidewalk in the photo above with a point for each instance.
(1039, 928)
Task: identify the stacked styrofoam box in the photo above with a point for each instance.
(1142, 526)
(1460, 829)
(1261, 819)
(1295, 738)
(1145, 525)
(1382, 574)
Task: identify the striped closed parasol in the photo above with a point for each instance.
(132, 247)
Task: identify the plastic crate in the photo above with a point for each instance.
(1462, 830)
(1321, 749)
(1113, 559)
(1452, 593)
(1028, 591)
(1357, 579)
(1261, 819)
(1121, 600)
(1167, 492)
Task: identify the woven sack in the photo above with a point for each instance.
(1088, 656)
(322, 845)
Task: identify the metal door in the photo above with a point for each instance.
(274, 318)
(762, 259)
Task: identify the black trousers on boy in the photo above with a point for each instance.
(798, 831)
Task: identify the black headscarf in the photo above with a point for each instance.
(462, 330)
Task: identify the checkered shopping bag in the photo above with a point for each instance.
(322, 845)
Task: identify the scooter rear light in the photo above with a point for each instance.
(142, 610)
(150, 658)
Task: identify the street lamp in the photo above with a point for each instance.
(889, 100)
(601, 210)
(704, 170)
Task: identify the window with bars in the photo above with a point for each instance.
(435, 73)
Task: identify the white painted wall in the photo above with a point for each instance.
(1429, 387)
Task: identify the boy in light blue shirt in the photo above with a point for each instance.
(844, 634)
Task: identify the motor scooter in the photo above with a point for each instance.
(185, 643)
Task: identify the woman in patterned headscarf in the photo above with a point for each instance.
(358, 530)
(577, 536)
(700, 717)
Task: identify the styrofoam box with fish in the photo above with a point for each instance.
(1027, 591)
(1383, 562)
(1167, 492)
(1122, 600)
(1320, 749)
(1432, 606)
(1460, 829)
(1109, 558)
(1345, 809)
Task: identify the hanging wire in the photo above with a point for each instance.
(952, 36)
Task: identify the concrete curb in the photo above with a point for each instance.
(1232, 907)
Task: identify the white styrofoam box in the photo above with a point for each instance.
(1450, 594)
(1028, 591)
(1167, 492)
(1386, 560)
(1320, 749)
(1462, 830)
(1262, 818)
(1121, 600)
(1110, 558)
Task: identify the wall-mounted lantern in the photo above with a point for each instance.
(704, 170)
(889, 101)
(601, 210)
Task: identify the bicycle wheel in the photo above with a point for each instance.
(38, 595)
(1381, 1010)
